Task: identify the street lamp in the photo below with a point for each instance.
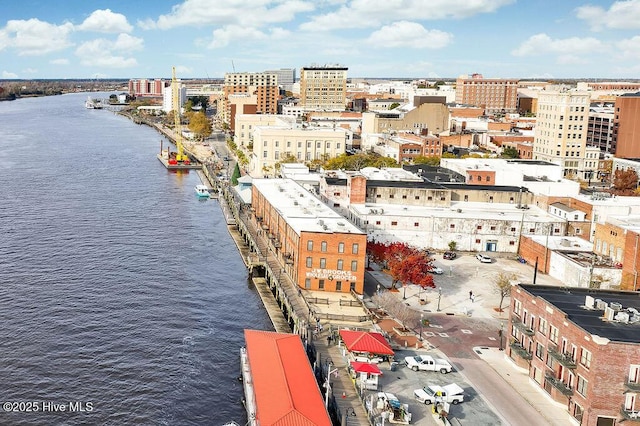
(378, 288)
(421, 324)
(404, 291)
(501, 334)
(439, 297)
(328, 383)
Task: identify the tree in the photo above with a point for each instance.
(510, 152)
(502, 283)
(625, 181)
(235, 175)
(394, 105)
(453, 245)
(429, 161)
(200, 125)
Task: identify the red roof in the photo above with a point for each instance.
(365, 367)
(366, 341)
(285, 389)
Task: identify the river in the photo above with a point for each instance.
(123, 298)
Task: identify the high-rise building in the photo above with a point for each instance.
(263, 85)
(626, 125)
(600, 128)
(495, 95)
(144, 87)
(561, 132)
(323, 88)
(286, 77)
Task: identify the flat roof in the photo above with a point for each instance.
(303, 211)
(571, 301)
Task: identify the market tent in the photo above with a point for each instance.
(365, 367)
(366, 341)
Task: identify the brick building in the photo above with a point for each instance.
(626, 125)
(581, 346)
(492, 94)
(320, 249)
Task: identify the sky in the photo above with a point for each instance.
(431, 39)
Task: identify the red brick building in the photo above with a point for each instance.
(320, 249)
(582, 346)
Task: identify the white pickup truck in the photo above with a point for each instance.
(428, 363)
(430, 394)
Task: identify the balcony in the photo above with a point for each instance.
(522, 327)
(559, 385)
(630, 414)
(520, 351)
(564, 359)
(632, 386)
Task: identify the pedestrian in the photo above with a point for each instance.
(471, 295)
(329, 340)
(473, 298)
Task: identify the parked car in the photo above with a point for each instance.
(449, 255)
(430, 394)
(435, 270)
(483, 258)
(428, 363)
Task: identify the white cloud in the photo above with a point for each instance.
(409, 34)
(107, 53)
(9, 75)
(225, 35)
(621, 15)
(105, 21)
(30, 71)
(542, 44)
(629, 48)
(252, 13)
(373, 13)
(61, 61)
(34, 37)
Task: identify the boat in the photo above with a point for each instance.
(92, 103)
(202, 191)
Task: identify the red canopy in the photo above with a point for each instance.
(366, 341)
(365, 367)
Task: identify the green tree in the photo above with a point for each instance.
(510, 152)
(429, 161)
(394, 105)
(200, 125)
(235, 175)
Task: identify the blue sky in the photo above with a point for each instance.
(373, 38)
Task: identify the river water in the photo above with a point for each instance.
(121, 293)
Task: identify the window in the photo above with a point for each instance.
(338, 285)
(634, 373)
(581, 387)
(323, 247)
(479, 227)
(452, 226)
(540, 351)
(340, 247)
(352, 286)
(321, 284)
(477, 241)
(542, 326)
(585, 358)
(309, 262)
(553, 335)
(339, 265)
(493, 228)
(416, 224)
(309, 245)
(354, 265)
(394, 223)
(307, 283)
(354, 248)
(517, 307)
(323, 263)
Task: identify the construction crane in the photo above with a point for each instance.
(180, 157)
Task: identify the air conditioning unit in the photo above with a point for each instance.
(615, 306)
(609, 313)
(600, 304)
(622, 317)
(589, 302)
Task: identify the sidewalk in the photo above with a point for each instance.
(555, 413)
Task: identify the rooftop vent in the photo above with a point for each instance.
(615, 306)
(622, 317)
(600, 304)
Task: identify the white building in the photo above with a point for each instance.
(167, 97)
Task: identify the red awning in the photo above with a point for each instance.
(365, 341)
(365, 367)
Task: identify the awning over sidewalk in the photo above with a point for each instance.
(366, 341)
(365, 367)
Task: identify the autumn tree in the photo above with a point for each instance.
(502, 283)
(200, 125)
(376, 251)
(407, 264)
(625, 181)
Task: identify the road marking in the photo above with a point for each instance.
(435, 326)
(491, 338)
(443, 334)
(465, 331)
(430, 334)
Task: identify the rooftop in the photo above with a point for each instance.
(302, 210)
(575, 303)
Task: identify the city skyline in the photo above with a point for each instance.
(393, 38)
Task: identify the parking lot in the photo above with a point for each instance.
(403, 381)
